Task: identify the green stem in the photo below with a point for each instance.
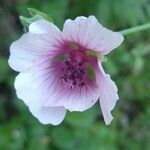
(135, 29)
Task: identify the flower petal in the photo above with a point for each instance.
(110, 40)
(42, 38)
(43, 26)
(91, 34)
(72, 98)
(79, 99)
(28, 90)
(49, 115)
(26, 86)
(108, 96)
(29, 49)
(44, 87)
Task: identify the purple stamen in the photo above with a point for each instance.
(73, 73)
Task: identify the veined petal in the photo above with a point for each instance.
(28, 90)
(29, 49)
(110, 40)
(91, 34)
(73, 98)
(79, 99)
(43, 26)
(34, 87)
(43, 87)
(108, 96)
(49, 115)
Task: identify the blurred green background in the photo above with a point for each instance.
(129, 66)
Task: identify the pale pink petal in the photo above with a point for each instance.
(26, 87)
(75, 100)
(81, 99)
(108, 96)
(91, 34)
(110, 40)
(37, 86)
(28, 90)
(60, 94)
(49, 115)
(42, 38)
(43, 26)
(29, 49)
(48, 89)
(72, 98)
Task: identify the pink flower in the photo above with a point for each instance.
(61, 70)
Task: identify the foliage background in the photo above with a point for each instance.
(129, 66)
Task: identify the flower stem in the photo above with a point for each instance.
(135, 29)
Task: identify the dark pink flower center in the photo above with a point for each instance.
(74, 72)
(76, 65)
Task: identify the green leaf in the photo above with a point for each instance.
(33, 12)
